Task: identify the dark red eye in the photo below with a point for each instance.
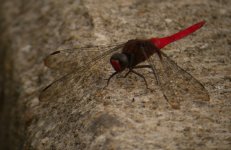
(116, 65)
(119, 61)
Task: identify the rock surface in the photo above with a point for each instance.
(125, 115)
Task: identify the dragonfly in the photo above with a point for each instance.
(175, 83)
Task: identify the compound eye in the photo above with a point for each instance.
(119, 61)
(116, 65)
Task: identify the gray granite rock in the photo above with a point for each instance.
(125, 115)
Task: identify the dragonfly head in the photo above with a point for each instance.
(119, 61)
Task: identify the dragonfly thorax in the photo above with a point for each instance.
(119, 61)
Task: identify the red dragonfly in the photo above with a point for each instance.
(174, 81)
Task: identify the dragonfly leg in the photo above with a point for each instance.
(140, 75)
(127, 73)
(142, 66)
(108, 80)
(152, 66)
(137, 67)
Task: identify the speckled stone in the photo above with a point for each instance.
(125, 115)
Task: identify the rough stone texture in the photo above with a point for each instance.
(125, 115)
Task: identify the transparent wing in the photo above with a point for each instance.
(177, 84)
(85, 75)
(68, 60)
